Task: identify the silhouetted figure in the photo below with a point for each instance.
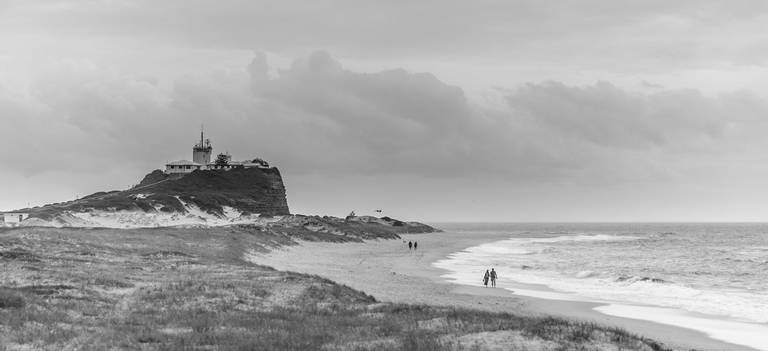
(415, 245)
(493, 278)
(485, 278)
(410, 245)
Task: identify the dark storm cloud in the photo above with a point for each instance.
(388, 121)
(410, 123)
(94, 128)
(317, 117)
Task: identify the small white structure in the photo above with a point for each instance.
(182, 166)
(13, 218)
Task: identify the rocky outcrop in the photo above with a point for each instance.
(215, 193)
(252, 197)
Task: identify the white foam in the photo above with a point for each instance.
(493, 249)
(737, 304)
(747, 310)
(740, 333)
(527, 246)
(585, 274)
(509, 256)
(712, 285)
(547, 295)
(583, 237)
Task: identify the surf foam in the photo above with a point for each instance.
(549, 261)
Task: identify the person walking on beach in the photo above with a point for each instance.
(493, 278)
(485, 278)
(415, 245)
(410, 245)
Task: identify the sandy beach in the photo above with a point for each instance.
(387, 270)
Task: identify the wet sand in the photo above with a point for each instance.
(390, 272)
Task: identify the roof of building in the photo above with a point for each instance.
(230, 163)
(183, 163)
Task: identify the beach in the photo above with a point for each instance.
(390, 272)
(187, 288)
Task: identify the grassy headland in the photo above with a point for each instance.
(173, 288)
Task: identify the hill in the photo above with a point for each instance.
(202, 197)
(245, 196)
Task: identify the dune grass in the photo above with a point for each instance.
(190, 289)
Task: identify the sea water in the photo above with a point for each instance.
(708, 277)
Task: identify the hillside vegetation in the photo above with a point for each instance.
(246, 190)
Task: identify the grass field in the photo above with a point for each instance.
(191, 289)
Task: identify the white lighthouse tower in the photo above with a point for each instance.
(201, 160)
(201, 153)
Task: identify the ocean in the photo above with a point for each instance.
(708, 277)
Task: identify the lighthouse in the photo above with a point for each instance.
(201, 152)
(201, 160)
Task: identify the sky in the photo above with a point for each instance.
(516, 111)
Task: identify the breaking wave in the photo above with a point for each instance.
(711, 275)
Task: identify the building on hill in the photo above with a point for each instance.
(182, 166)
(13, 218)
(201, 160)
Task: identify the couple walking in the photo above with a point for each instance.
(492, 276)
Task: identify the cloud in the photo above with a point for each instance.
(317, 119)
(316, 116)
(606, 115)
(397, 122)
(389, 121)
(649, 85)
(115, 88)
(639, 35)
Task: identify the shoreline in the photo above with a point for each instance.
(387, 270)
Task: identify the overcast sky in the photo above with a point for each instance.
(433, 110)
